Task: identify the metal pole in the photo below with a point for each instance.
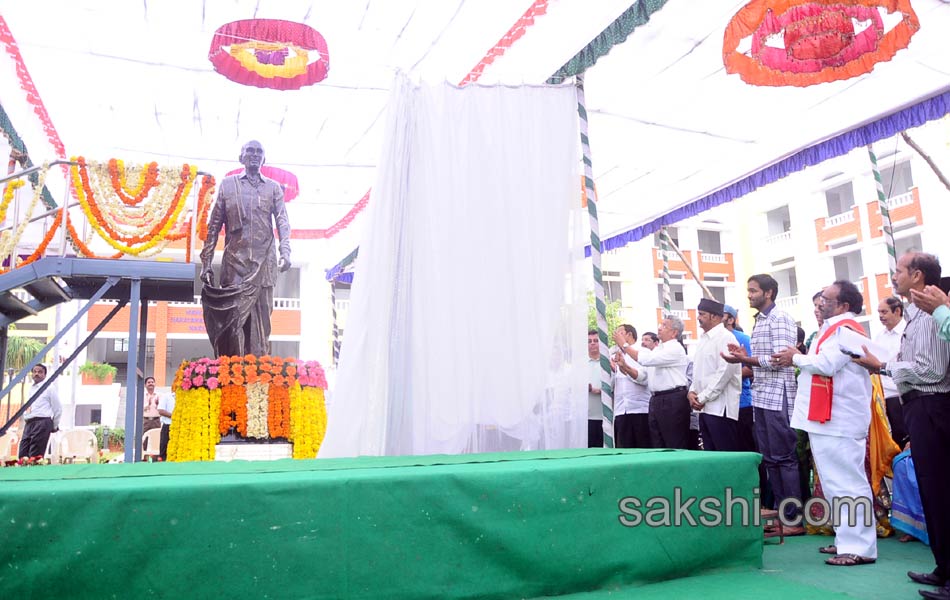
(133, 439)
(33, 169)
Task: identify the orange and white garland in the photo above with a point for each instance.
(140, 220)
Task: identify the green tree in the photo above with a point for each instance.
(613, 315)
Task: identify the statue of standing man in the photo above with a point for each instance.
(249, 206)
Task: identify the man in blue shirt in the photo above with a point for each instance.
(746, 438)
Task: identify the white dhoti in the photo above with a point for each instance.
(840, 465)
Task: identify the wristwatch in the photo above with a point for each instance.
(626, 344)
(883, 370)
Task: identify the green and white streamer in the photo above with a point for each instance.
(665, 253)
(885, 215)
(606, 390)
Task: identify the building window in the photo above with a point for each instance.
(787, 282)
(612, 291)
(676, 297)
(120, 345)
(674, 236)
(908, 244)
(840, 199)
(897, 180)
(779, 221)
(710, 242)
(849, 266)
(719, 294)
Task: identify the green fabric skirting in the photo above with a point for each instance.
(473, 526)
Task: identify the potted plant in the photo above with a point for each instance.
(94, 373)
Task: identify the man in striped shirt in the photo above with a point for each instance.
(773, 395)
(923, 381)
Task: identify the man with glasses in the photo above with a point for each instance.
(923, 381)
(669, 408)
(833, 404)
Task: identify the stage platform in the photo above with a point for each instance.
(513, 525)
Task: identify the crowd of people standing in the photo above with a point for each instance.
(774, 393)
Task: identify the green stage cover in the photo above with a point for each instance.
(506, 525)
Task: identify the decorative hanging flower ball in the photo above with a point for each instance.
(806, 42)
(270, 53)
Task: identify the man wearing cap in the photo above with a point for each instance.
(716, 383)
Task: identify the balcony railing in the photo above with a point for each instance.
(836, 220)
(713, 258)
(779, 238)
(901, 200)
(682, 314)
(787, 303)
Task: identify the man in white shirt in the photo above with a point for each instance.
(669, 409)
(891, 313)
(166, 406)
(837, 422)
(631, 396)
(41, 418)
(716, 384)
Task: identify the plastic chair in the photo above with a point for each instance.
(7, 441)
(151, 442)
(78, 444)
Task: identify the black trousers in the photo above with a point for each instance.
(163, 442)
(719, 433)
(745, 429)
(669, 419)
(927, 418)
(632, 431)
(895, 416)
(35, 438)
(595, 433)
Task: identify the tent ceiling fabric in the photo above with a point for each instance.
(667, 123)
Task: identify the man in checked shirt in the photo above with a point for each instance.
(923, 381)
(773, 396)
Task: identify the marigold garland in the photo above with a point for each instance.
(205, 193)
(260, 397)
(8, 193)
(150, 235)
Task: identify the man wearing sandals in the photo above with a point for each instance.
(833, 405)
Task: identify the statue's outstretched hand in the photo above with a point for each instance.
(283, 264)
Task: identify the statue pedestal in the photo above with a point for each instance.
(272, 451)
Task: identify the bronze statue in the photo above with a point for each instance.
(237, 314)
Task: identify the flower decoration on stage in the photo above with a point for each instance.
(270, 53)
(135, 209)
(286, 179)
(10, 239)
(256, 397)
(806, 42)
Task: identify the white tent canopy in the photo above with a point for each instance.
(668, 125)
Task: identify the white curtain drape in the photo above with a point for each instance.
(467, 314)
